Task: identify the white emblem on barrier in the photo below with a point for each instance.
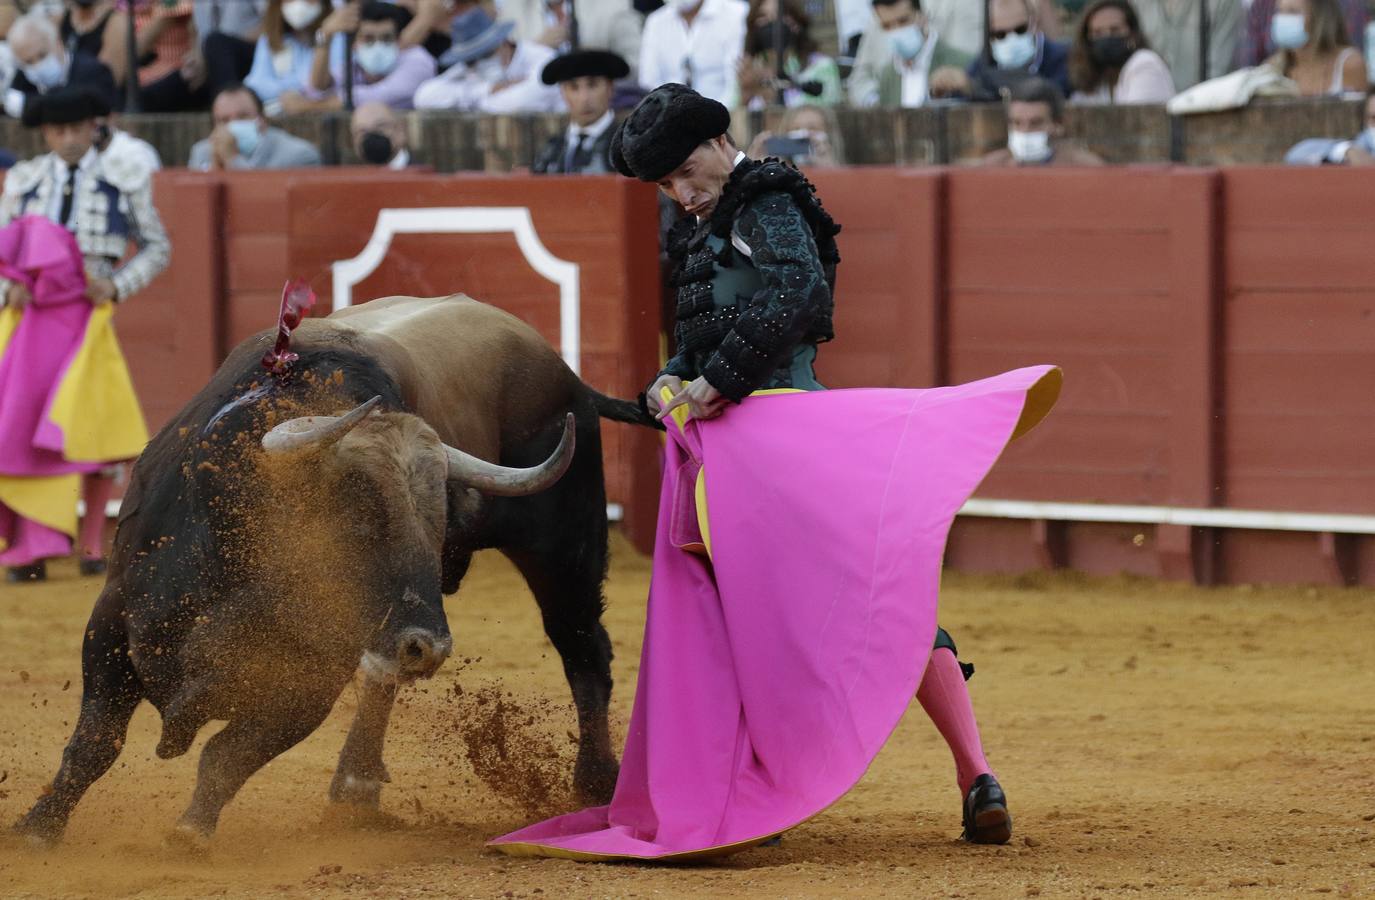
(514, 220)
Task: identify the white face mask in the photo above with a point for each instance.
(489, 69)
(300, 14)
(1029, 146)
(377, 58)
(1014, 51)
(906, 41)
(46, 73)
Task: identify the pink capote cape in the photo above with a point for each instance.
(773, 672)
(66, 401)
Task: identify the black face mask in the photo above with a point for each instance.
(1112, 52)
(376, 148)
(763, 36)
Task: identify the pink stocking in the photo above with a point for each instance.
(945, 697)
(96, 488)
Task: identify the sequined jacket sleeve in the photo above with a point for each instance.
(794, 296)
(154, 249)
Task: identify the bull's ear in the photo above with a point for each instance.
(315, 432)
(503, 481)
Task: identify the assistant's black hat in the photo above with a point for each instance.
(64, 105)
(585, 64)
(663, 130)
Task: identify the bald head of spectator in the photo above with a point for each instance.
(379, 136)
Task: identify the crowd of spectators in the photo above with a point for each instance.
(250, 61)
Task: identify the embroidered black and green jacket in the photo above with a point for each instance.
(754, 283)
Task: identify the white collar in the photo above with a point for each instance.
(593, 131)
(400, 160)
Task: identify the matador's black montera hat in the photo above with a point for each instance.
(663, 130)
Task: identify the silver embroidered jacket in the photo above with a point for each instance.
(112, 206)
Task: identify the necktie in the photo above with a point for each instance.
(577, 158)
(68, 192)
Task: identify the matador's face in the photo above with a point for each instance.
(697, 184)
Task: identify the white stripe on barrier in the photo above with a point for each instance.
(1261, 520)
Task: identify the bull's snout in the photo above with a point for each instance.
(420, 653)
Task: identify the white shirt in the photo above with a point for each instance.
(916, 75)
(703, 55)
(591, 132)
(61, 173)
(466, 88)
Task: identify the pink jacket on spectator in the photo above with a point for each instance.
(1144, 79)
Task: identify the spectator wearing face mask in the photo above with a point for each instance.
(1036, 130)
(697, 43)
(44, 64)
(1111, 61)
(1015, 49)
(242, 139)
(809, 136)
(1313, 48)
(382, 71)
(1255, 45)
(379, 136)
(1172, 27)
(488, 71)
(903, 61)
(804, 76)
(586, 79)
(280, 76)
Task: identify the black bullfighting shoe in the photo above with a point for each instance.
(92, 566)
(986, 819)
(33, 572)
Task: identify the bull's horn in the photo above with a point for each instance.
(503, 481)
(315, 431)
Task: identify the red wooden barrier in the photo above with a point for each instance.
(1217, 328)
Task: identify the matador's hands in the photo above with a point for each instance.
(702, 400)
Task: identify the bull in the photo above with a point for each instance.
(281, 534)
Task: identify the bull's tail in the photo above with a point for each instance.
(631, 412)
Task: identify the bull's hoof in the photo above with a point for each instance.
(594, 780)
(38, 830)
(352, 790)
(188, 840)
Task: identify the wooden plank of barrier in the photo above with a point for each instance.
(1195, 315)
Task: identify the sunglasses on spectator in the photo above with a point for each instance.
(1020, 29)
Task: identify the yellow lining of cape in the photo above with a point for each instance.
(95, 406)
(98, 412)
(48, 500)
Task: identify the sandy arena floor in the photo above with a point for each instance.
(1153, 739)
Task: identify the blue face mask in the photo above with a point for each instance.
(1015, 50)
(1287, 31)
(44, 74)
(377, 58)
(246, 135)
(907, 41)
